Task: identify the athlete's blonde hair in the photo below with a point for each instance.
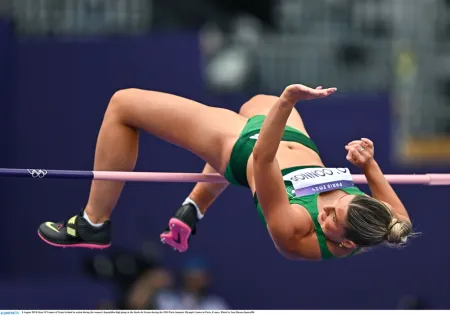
(370, 222)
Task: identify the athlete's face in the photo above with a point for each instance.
(332, 220)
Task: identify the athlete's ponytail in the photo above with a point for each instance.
(370, 222)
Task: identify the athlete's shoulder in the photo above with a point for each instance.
(308, 248)
(354, 190)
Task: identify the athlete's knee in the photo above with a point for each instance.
(264, 99)
(257, 101)
(122, 97)
(245, 107)
(120, 102)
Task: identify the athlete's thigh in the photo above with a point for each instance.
(208, 132)
(261, 104)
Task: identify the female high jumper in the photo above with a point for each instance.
(311, 212)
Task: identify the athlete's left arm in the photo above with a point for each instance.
(269, 183)
(272, 130)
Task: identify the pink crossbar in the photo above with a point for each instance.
(411, 179)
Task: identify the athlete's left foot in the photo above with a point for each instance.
(76, 232)
(180, 228)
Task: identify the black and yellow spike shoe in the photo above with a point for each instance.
(76, 232)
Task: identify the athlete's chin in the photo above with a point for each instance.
(320, 219)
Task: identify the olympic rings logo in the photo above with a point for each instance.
(37, 173)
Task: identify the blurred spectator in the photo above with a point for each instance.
(409, 302)
(146, 289)
(106, 305)
(195, 290)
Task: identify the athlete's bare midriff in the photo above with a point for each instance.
(289, 154)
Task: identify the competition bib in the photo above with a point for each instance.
(310, 181)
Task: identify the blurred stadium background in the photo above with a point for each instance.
(61, 60)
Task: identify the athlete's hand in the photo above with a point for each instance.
(360, 152)
(298, 92)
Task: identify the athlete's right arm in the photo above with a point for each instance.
(382, 190)
(379, 186)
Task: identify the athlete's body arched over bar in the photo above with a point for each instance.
(311, 212)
